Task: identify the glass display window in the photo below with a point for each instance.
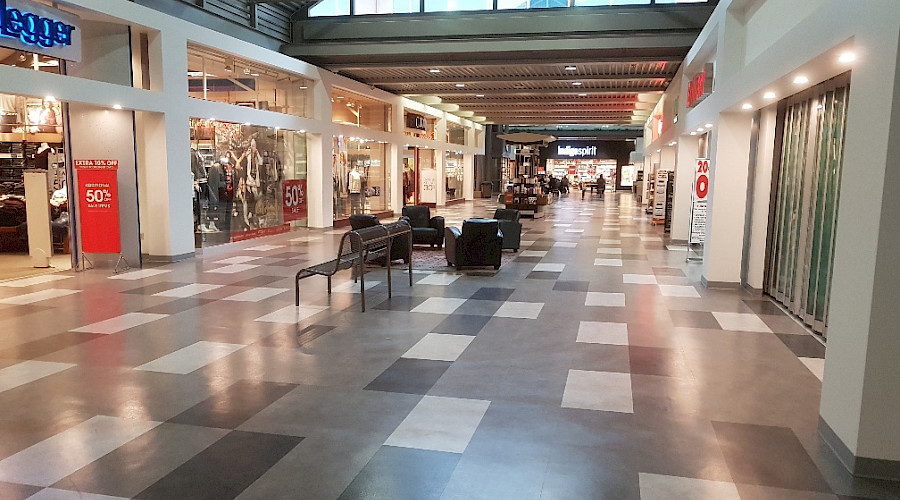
(217, 76)
(361, 184)
(453, 171)
(248, 181)
(456, 134)
(350, 108)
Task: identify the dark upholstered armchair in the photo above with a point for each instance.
(478, 244)
(426, 230)
(400, 244)
(510, 227)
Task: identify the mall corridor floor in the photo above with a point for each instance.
(592, 365)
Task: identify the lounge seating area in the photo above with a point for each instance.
(399, 246)
(510, 227)
(426, 230)
(478, 244)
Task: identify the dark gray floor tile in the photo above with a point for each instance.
(757, 454)
(299, 263)
(655, 361)
(667, 271)
(403, 473)
(400, 303)
(784, 323)
(134, 466)
(410, 376)
(177, 306)
(804, 346)
(225, 469)
(156, 288)
(287, 255)
(694, 319)
(235, 405)
(12, 491)
(490, 293)
(543, 275)
(298, 336)
(529, 260)
(258, 281)
(47, 345)
(572, 286)
(474, 307)
(461, 324)
(764, 306)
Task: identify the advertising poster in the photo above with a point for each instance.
(428, 185)
(98, 201)
(659, 201)
(699, 201)
(294, 199)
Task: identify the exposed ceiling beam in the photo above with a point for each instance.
(437, 79)
(519, 92)
(536, 62)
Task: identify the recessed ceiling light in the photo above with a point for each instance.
(479, 95)
(709, 125)
(747, 105)
(847, 57)
(434, 70)
(302, 131)
(693, 133)
(460, 85)
(577, 84)
(801, 80)
(769, 95)
(254, 74)
(117, 106)
(582, 95)
(228, 69)
(340, 97)
(303, 87)
(50, 98)
(571, 68)
(700, 129)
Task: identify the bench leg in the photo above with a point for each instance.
(297, 291)
(362, 282)
(329, 285)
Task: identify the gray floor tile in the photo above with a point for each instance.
(410, 376)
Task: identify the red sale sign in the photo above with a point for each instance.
(98, 202)
(293, 198)
(701, 179)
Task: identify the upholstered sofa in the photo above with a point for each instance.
(510, 227)
(426, 230)
(477, 245)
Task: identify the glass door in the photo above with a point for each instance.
(805, 200)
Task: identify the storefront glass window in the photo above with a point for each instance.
(453, 168)
(220, 77)
(456, 134)
(361, 185)
(417, 125)
(427, 176)
(30, 60)
(249, 181)
(349, 108)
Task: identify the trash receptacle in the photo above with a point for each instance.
(486, 189)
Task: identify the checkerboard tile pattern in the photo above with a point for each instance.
(595, 341)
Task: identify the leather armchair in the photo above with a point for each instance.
(477, 245)
(426, 230)
(399, 250)
(511, 228)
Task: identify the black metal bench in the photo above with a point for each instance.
(356, 248)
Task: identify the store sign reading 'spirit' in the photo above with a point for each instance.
(35, 27)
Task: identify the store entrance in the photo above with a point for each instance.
(32, 171)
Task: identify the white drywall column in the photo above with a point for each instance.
(468, 166)
(729, 151)
(685, 165)
(440, 134)
(860, 400)
(165, 169)
(762, 188)
(319, 170)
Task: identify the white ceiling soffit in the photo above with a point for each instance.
(527, 138)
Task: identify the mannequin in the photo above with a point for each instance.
(254, 161)
(41, 158)
(354, 185)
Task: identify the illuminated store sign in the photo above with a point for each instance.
(34, 27)
(700, 86)
(573, 151)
